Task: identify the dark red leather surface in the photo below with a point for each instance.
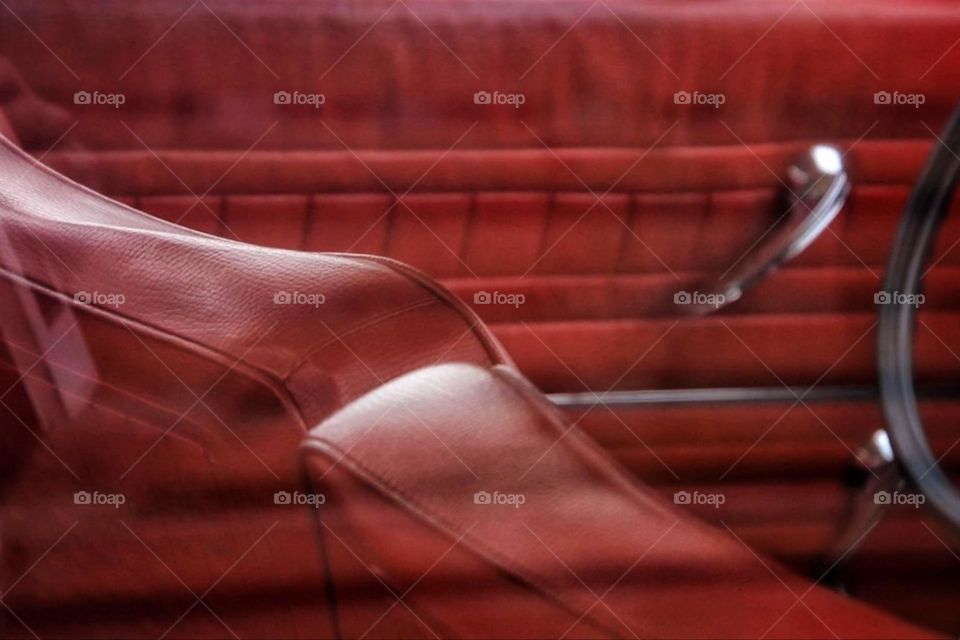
(203, 315)
(189, 399)
(585, 553)
(599, 299)
(793, 73)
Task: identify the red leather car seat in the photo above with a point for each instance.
(187, 391)
(179, 371)
(573, 548)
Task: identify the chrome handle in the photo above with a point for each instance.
(817, 188)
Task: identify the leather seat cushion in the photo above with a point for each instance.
(566, 545)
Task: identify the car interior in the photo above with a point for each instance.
(479, 319)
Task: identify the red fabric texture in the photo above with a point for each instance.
(401, 76)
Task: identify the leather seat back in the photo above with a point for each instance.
(157, 383)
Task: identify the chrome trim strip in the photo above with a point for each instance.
(733, 395)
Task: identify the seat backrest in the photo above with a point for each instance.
(156, 383)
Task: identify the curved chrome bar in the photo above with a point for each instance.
(920, 224)
(817, 185)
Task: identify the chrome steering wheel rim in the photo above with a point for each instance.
(916, 234)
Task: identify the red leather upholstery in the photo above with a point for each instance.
(579, 550)
(599, 299)
(188, 397)
(792, 73)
